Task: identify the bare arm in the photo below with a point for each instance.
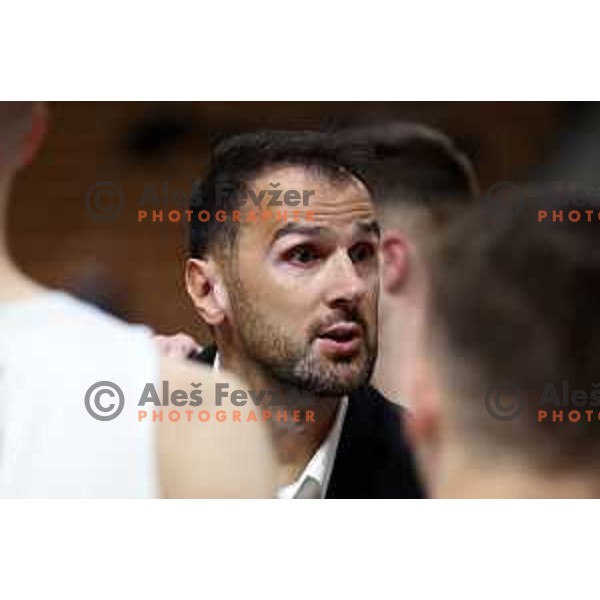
(212, 458)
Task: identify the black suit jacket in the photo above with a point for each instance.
(373, 458)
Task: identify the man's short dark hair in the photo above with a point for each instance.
(515, 300)
(412, 165)
(238, 159)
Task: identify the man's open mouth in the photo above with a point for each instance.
(341, 338)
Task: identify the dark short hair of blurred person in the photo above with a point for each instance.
(513, 319)
(60, 356)
(421, 183)
(293, 309)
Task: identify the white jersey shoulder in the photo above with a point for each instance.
(53, 350)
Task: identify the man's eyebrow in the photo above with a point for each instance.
(299, 229)
(370, 227)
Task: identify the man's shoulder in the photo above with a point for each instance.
(371, 411)
(377, 401)
(374, 458)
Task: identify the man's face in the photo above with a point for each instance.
(304, 294)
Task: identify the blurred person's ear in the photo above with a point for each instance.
(35, 136)
(395, 267)
(206, 289)
(424, 424)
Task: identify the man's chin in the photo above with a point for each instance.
(340, 378)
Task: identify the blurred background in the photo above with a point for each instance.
(152, 151)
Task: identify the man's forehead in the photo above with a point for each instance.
(336, 203)
(323, 228)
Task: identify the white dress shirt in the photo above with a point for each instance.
(319, 467)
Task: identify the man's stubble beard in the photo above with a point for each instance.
(290, 362)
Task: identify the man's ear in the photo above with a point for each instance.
(35, 136)
(205, 287)
(395, 253)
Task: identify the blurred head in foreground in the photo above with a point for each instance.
(421, 183)
(54, 347)
(507, 403)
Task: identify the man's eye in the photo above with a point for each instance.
(361, 252)
(302, 254)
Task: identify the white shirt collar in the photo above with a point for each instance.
(320, 466)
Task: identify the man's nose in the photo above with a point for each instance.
(346, 284)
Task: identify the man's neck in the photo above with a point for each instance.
(295, 442)
(402, 313)
(393, 375)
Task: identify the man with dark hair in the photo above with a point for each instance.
(506, 404)
(421, 183)
(292, 305)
